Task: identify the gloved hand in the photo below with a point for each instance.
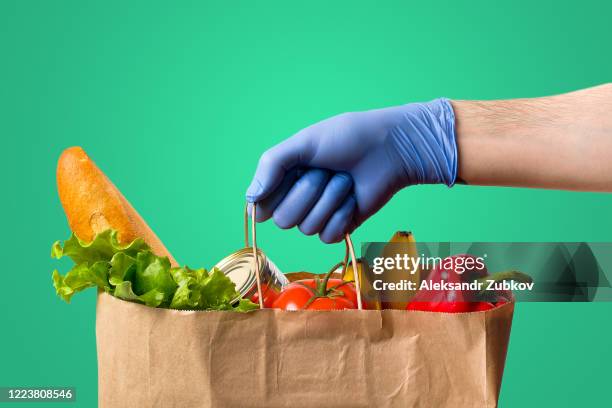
(332, 176)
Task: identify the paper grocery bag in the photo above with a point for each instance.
(164, 358)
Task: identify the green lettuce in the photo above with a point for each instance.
(132, 272)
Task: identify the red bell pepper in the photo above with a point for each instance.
(461, 301)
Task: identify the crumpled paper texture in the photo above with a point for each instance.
(164, 358)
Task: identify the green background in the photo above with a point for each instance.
(176, 102)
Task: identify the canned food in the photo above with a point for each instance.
(240, 268)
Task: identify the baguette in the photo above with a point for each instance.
(93, 204)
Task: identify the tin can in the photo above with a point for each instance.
(240, 268)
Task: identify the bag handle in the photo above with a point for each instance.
(350, 250)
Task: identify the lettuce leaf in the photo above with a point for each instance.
(102, 248)
(133, 273)
(153, 273)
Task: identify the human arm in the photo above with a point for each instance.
(557, 142)
(332, 176)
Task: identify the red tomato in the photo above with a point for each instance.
(327, 303)
(347, 288)
(269, 295)
(310, 294)
(293, 297)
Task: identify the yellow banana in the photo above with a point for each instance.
(401, 243)
(349, 275)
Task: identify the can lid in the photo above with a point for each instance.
(238, 266)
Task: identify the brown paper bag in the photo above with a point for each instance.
(164, 358)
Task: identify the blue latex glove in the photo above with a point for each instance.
(332, 176)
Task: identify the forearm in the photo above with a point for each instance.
(560, 142)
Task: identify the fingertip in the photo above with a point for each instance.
(340, 222)
(254, 192)
(281, 221)
(260, 216)
(267, 206)
(268, 175)
(307, 229)
(329, 240)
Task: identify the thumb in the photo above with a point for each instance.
(274, 164)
